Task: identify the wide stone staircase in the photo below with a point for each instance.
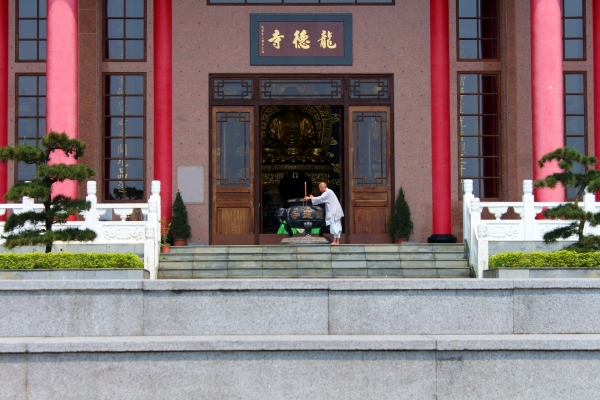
(300, 339)
(316, 261)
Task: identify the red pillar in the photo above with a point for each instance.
(163, 103)
(596, 44)
(3, 95)
(61, 81)
(547, 89)
(440, 123)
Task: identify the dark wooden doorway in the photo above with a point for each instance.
(249, 158)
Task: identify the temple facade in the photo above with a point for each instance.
(242, 105)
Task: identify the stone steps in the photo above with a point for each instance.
(316, 261)
(299, 307)
(302, 338)
(376, 338)
(309, 366)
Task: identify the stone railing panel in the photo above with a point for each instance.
(523, 228)
(121, 231)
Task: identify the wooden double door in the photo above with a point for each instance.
(236, 171)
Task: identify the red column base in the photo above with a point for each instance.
(441, 238)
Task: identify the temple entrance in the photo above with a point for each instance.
(301, 147)
(276, 138)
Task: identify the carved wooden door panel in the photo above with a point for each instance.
(371, 175)
(232, 158)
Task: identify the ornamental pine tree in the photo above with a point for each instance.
(401, 225)
(590, 179)
(35, 227)
(180, 226)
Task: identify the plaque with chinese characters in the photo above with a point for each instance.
(300, 39)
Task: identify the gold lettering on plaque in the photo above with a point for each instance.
(301, 40)
(276, 39)
(326, 41)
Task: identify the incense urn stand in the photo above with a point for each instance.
(302, 215)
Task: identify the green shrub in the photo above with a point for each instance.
(401, 225)
(65, 260)
(556, 259)
(180, 226)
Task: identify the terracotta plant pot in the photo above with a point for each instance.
(165, 249)
(400, 240)
(179, 242)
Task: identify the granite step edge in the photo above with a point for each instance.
(120, 344)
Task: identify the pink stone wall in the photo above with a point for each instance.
(386, 39)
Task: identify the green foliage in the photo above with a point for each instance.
(180, 226)
(65, 260)
(401, 225)
(33, 237)
(24, 229)
(567, 160)
(556, 259)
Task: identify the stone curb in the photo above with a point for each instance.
(75, 284)
(372, 284)
(300, 343)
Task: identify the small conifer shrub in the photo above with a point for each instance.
(401, 225)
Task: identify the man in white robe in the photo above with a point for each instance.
(333, 210)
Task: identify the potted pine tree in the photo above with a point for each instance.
(180, 226)
(401, 225)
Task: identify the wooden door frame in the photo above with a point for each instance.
(214, 237)
(346, 101)
(368, 238)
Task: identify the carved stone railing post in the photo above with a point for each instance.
(91, 216)
(471, 217)
(28, 203)
(482, 249)
(151, 244)
(589, 205)
(155, 194)
(467, 196)
(153, 231)
(528, 216)
(475, 219)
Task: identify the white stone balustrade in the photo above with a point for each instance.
(145, 232)
(477, 232)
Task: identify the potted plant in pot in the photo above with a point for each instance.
(180, 227)
(401, 225)
(164, 236)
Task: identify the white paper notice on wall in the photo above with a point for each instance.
(190, 182)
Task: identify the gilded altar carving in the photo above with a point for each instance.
(296, 134)
(296, 138)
